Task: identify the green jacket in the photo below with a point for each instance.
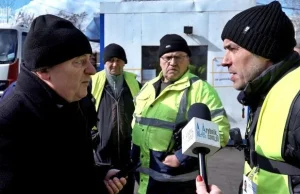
(153, 126)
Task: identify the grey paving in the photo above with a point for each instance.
(225, 169)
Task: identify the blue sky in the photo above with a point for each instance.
(287, 11)
(20, 3)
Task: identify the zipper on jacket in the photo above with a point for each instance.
(115, 94)
(118, 119)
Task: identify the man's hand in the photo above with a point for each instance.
(172, 161)
(114, 185)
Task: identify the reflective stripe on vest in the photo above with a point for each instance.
(217, 112)
(269, 135)
(162, 177)
(155, 122)
(180, 115)
(171, 125)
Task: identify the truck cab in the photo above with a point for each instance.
(11, 53)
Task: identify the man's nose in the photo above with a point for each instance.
(226, 60)
(115, 63)
(90, 69)
(172, 61)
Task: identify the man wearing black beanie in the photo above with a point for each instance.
(259, 54)
(45, 121)
(160, 107)
(114, 90)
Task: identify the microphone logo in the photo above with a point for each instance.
(201, 132)
(207, 133)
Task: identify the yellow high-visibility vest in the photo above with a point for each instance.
(269, 135)
(98, 82)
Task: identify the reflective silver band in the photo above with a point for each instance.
(162, 177)
(155, 123)
(218, 112)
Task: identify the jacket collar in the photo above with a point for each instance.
(258, 88)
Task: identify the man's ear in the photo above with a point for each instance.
(269, 63)
(44, 75)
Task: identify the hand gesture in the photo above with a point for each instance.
(201, 187)
(114, 185)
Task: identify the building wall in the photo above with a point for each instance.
(135, 25)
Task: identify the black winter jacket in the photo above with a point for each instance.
(45, 142)
(112, 142)
(253, 96)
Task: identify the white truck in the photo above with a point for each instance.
(11, 46)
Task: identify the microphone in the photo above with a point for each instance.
(200, 137)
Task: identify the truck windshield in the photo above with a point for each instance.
(8, 45)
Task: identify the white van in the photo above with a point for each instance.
(11, 53)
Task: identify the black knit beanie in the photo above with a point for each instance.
(52, 40)
(171, 43)
(114, 50)
(264, 30)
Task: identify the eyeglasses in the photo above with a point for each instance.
(168, 59)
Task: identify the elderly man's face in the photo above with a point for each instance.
(71, 78)
(174, 65)
(242, 64)
(115, 66)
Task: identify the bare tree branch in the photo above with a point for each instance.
(75, 18)
(24, 18)
(8, 5)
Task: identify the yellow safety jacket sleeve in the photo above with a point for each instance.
(210, 97)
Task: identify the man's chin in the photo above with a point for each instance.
(114, 73)
(173, 80)
(239, 87)
(81, 94)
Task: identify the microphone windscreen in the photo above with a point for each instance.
(199, 110)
